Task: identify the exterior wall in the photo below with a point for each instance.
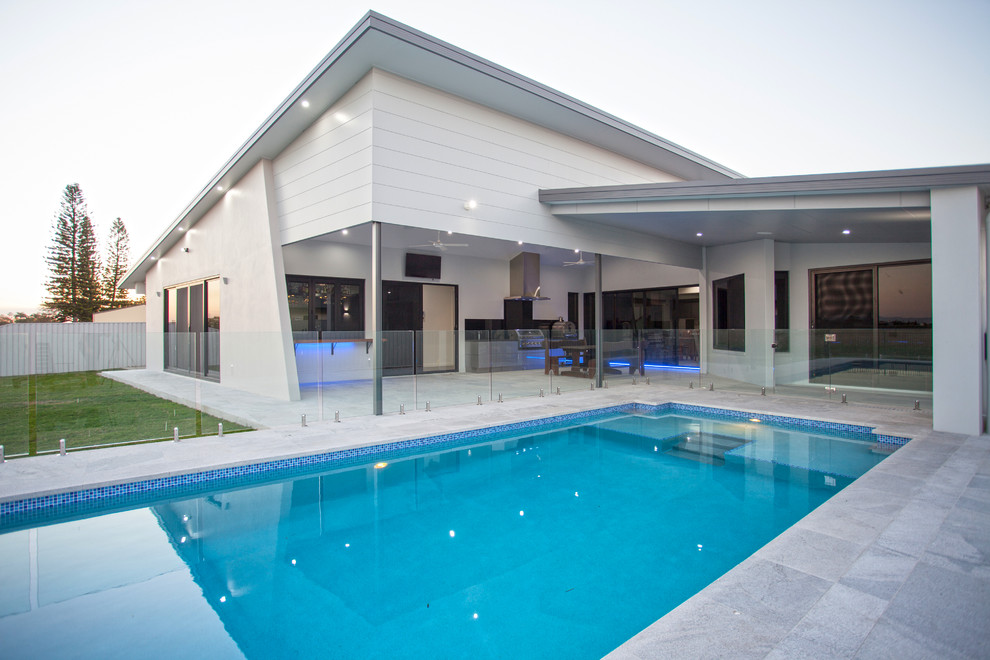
(622, 274)
(132, 314)
(959, 288)
(434, 151)
(323, 179)
(755, 261)
(236, 240)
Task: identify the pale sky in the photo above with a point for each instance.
(142, 102)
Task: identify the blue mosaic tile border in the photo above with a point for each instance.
(122, 495)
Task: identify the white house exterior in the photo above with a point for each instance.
(397, 138)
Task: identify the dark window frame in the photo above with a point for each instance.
(782, 310)
(335, 306)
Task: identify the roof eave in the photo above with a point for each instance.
(812, 184)
(682, 162)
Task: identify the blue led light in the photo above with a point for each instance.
(671, 367)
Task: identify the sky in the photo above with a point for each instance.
(141, 102)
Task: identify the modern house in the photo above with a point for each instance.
(408, 185)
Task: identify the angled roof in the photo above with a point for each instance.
(380, 42)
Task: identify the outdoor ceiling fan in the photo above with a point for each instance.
(579, 262)
(440, 245)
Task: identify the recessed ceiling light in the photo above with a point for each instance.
(576, 251)
(220, 188)
(344, 232)
(699, 234)
(304, 103)
(846, 232)
(470, 205)
(182, 228)
(765, 233)
(519, 242)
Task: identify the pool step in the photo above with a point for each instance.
(707, 448)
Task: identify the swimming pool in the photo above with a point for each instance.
(556, 539)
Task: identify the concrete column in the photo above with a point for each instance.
(958, 294)
(376, 317)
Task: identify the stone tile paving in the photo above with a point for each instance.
(895, 565)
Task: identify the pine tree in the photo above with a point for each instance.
(118, 248)
(73, 284)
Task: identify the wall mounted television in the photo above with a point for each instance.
(424, 266)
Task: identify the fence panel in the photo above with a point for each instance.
(49, 348)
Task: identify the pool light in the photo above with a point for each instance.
(379, 466)
(452, 534)
(754, 420)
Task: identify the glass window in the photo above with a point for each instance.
(192, 328)
(729, 313)
(350, 309)
(321, 304)
(213, 328)
(298, 305)
(873, 325)
(782, 310)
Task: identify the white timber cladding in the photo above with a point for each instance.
(399, 152)
(323, 179)
(434, 151)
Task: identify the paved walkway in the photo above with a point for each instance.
(896, 565)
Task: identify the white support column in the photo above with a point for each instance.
(763, 336)
(957, 309)
(600, 362)
(704, 315)
(376, 318)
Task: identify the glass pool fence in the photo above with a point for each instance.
(94, 389)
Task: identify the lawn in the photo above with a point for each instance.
(88, 410)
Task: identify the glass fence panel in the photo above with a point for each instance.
(566, 360)
(518, 364)
(18, 401)
(86, 384)
(334, 372)
(888, 366)
(440, 381)
(402, 358)
(69, 389)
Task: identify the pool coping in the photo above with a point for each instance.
(777, 603)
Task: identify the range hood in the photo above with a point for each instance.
(524, 277)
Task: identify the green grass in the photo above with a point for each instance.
(89, 410)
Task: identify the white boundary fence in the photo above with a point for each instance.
(50, 348)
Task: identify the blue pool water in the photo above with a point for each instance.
(561, 543)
